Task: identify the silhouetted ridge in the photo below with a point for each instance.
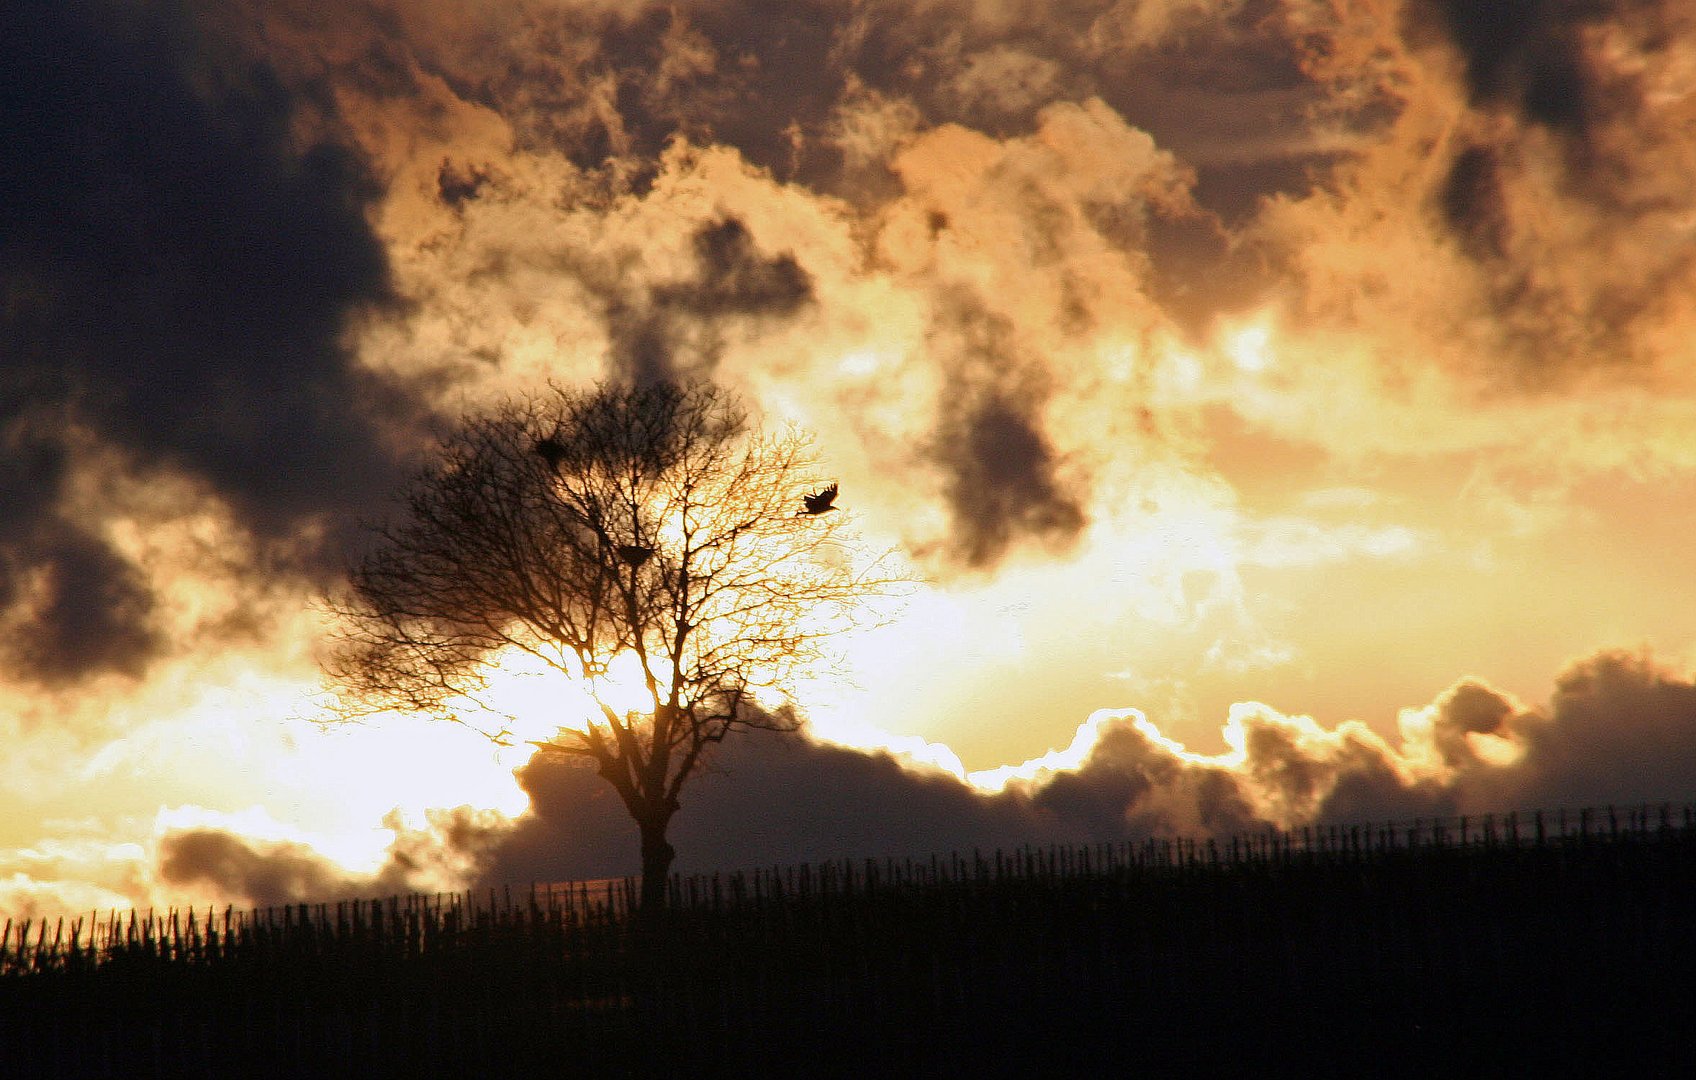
(1512, 943)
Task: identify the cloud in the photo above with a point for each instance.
(1528, 55)
(244, 871)
(609, 85)
(1619, 731)
(688, 247)
(68, 603)
(1473, 203)
(220, 863)
(674, 329)
(1013, 221)
(83, 609)
(182, 249)
(765, 800)
(1003, 479)
(77, 871)
(1510, 207)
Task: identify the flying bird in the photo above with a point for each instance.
(550, 450)
(819, 501)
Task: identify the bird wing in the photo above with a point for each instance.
(821, 500)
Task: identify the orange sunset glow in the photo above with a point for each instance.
(1286, 410)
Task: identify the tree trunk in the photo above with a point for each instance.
(657, 855)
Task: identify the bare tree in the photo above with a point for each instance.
(576, 525)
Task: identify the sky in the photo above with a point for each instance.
(1289, 407)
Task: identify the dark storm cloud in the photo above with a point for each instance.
(784, 799)
(1372, 791)
(179, 259)
(1130, 788)
(239, 869)
(1585, 72)
(1363, 785)
(748, 73)
(678, 326)
(1523, 54)
(1001, 474)
(1002, 483)
(770, 799)
(1209, 82)
(1619, 731)
(32, 464)
(1539, 60)
(736, 279)
(769, 77)
(1472, 204)
(32, 467)
(92, 616)
(86, 608)
(616, 84)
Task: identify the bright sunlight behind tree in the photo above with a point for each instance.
(585, 528)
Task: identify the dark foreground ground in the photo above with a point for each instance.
(1533, 947)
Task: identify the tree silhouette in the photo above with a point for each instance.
(575, 525)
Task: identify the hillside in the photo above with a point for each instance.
(1536, 944)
